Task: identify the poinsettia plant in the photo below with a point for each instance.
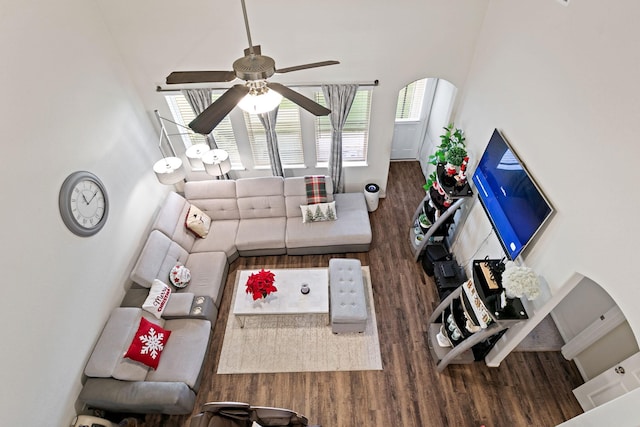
(260, 284)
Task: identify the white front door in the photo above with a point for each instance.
(414, 108)
(612, 383)
(407, 139)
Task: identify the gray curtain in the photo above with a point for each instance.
(200, 99)
(268, 120)
(339, 99)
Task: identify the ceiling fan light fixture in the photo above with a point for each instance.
(258, 103)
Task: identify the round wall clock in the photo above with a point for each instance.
(84, 203)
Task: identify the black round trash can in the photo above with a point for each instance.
(372, 196)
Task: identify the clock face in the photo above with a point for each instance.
(87, 203)
(83, 203)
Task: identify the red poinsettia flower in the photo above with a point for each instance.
(260, 284)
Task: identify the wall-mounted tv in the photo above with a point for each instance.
(515, 205)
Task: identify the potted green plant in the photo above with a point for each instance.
(452, 153)
(451, 138)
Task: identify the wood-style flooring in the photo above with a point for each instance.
(528, 389)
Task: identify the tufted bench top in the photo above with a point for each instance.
(346, 289)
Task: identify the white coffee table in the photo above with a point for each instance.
(288, 299)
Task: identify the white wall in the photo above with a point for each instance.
(79, 82)
(67, 105)
(393, 42)
(561, 83)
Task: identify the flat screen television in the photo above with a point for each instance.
(515, 205)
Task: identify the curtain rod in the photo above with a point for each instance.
(161, 89)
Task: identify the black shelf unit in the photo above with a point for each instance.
(439, 214)
(475, 341)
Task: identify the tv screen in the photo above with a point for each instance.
(515, 205)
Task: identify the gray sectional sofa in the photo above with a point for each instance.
(249, 217)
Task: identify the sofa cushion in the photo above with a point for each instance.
(319, 212)
(208, 275)
(142, 397)
(159, 255)
(156, 301)
(216, 198)
(262, 234)
(148, 343)
(197, 222)
(170, 220)
(261, 197)
(107, 359)
(184, 356)
(222, 237)
(352, 229)
(296, 195)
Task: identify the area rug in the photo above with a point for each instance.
(298, 343)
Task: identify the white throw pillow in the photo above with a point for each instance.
(158, 297)
(198, 222)
(180, 276)
(319, 212)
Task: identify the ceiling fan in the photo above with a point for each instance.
(254, 68)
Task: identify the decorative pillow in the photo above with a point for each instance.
(180, 276)
(316, 189)
(319, 212)
(198, 222)
(158, 297)
(148, 344)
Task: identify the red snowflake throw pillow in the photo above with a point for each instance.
(148, 344)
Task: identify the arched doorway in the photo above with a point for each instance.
(423, 108)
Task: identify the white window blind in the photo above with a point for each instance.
(289, 136)
(410, 100)
(355, 135)
(223, 133)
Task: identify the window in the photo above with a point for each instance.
(355, 135)
(223, 133)
(289, 136)
(410, 100)
(243, 136)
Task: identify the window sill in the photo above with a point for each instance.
(346, 165)
(283, 167)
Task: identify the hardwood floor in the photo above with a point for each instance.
(528, 389)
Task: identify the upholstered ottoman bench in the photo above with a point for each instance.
(348, 304)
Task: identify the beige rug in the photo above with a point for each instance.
(298, 343)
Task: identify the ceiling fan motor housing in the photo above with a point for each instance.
(254, 67)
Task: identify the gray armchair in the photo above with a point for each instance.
(238, 414)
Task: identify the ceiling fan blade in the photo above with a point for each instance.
(305, 66)
(304, 102)
(214, 113)
(179, 77)
(256, 50)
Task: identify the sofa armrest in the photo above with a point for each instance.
(186, 305)
(143, 397)
(180, 305)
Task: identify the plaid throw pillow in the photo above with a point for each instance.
(316, 190)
